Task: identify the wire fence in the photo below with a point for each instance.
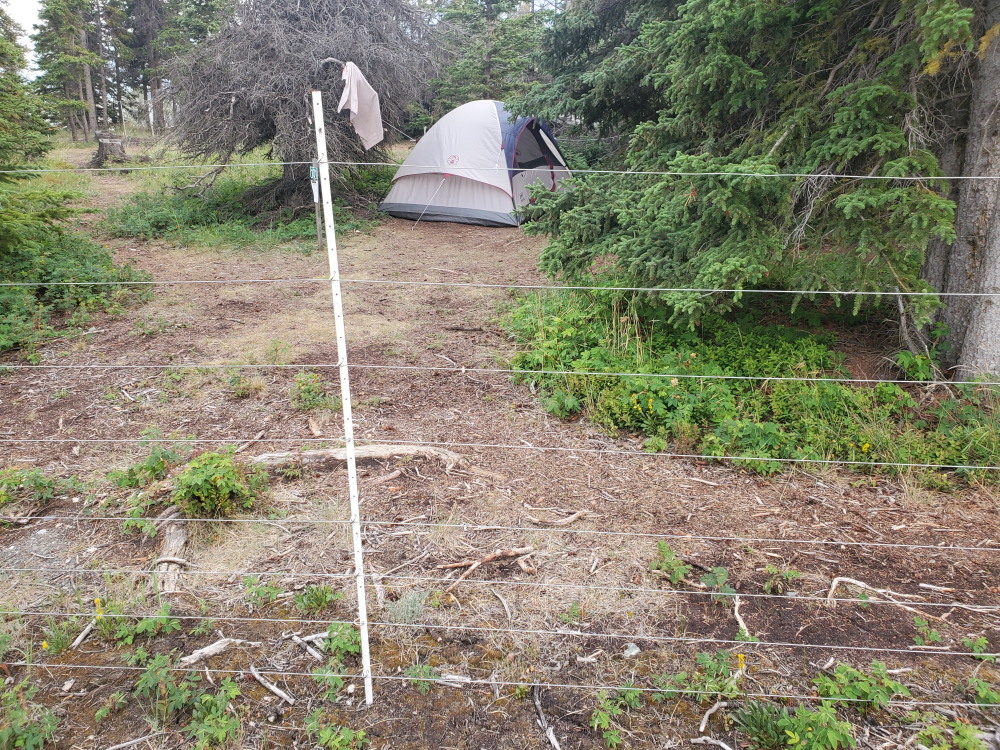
(975, 605)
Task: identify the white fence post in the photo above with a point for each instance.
(345, 387)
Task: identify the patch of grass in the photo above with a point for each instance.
(757, 419)
(219, 217)
(314, 599)
(308, 392)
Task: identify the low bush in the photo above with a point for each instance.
(214, 485)
(663, 392)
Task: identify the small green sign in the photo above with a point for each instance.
(313, 173)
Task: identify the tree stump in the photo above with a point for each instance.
(110, 150)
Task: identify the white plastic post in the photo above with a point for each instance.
(345, 387)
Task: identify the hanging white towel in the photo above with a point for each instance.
(362, 101)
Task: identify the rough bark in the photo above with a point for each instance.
(88, 88)
(974, 261)
(110, 149)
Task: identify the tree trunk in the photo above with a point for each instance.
(103, 70)
(974, 262)
(156, 97)
(88, 87)
(84, 123)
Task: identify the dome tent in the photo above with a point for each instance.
(474, 166)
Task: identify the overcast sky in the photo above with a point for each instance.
(25, 12)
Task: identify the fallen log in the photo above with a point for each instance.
(331, 458)
(174, 539)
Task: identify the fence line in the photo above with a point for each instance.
(451, 168)
(714, 595)
(507, 446)
(497, 371)
(471, 527)
(566, 633)
(527, 287)
(450, 680)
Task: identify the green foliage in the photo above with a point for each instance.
(308, 392)
(941, 733)
(32, 485)
(332, 737)
(162, 457)
(714, 90)
(219, 217)
(123, 630)
(342, 640)
(257, 594)
(713, 679)
(716, 581)
(24, 724)
(664, 395)
(669, 564)
(58, 635)
(214, 485)
(816, 729)
(778, 579)
(761, 723)
(926, 635)
(211, 723)
(422, 677)
(854, 688)
(983, 692)
(314, 599)
(113, 704)
(168, 692)
(573, 614)
(602, 718)
(979, 647)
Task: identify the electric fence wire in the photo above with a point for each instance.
(628, 590)
(470, 527)
(507, 446)
(445, 680)
(495, 371)
(565, 633)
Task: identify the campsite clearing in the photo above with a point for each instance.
(223, 362)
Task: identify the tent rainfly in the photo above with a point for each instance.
(474, 166)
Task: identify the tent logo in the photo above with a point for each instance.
(452, 160)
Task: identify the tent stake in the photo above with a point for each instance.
(345, 387)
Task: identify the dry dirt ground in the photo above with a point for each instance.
(217, 361)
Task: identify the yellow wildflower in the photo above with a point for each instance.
(45, 644)
(865, 447)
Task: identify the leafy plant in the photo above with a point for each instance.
(602, 718)
(816, 729)
(342, 640)
(761, 722)
(211, 723)
(853, 688)
(982, 692)
(213, 485)
(926, 635)
(716, 581)
(257, 594)
(573, 614)
(422, 677)
(979, 647)
(162, 457)
(308, 392)
(331, 737)
(314, 599)
(168, 693)
(714, 678)
(24, 723)
(941, 733)
(114, 703)
(669, 564)
(778, 579)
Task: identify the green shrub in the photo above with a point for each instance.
(24, 723)
(816, 729)
(669, 564)
(308, 392)
(761, 723)
(663, 396)
(214, 485)
(854, 688)
(162, 457)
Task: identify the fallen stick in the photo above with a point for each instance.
(309, 649)
(271, 686)
(133, 743)
(335, 457)
(248, 443)
(562, 521)
(887, 593)
(702, 481)
(710, 741)
(83, 635)
(221, 645)
(388, 477)
(471, 565)
(740, 621)
(543, 723)
(709, 712)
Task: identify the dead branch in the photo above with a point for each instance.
(710, 741)
(220, 646)
(550, 735)
(174, 539)
(887, 595)
(740, 621)
(271, 686)
(562, 521)
(248, 443)
(83, 635)
(133, 743)
(309, 649)
(709, 712)
(514, 552)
